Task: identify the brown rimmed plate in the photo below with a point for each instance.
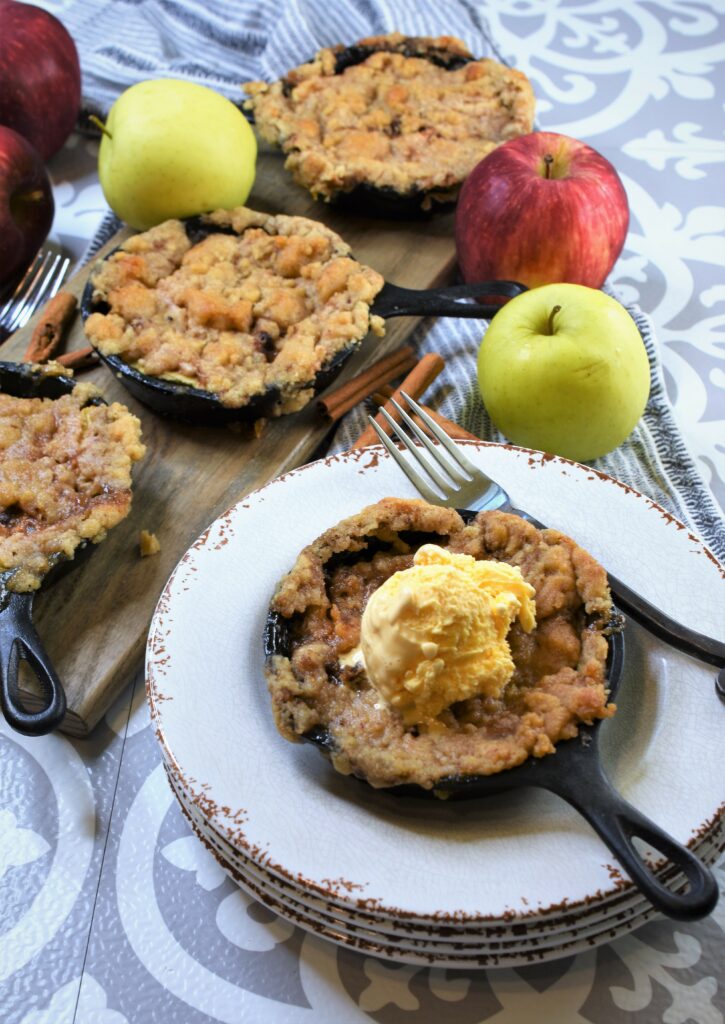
(397, 852)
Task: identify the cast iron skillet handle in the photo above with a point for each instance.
(18, 637)
(396, 301)
(618, 822)
(697, 645)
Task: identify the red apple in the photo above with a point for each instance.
(26, 204)
(540, 209)
(40, 77)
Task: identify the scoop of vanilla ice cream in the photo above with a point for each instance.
(435, 634)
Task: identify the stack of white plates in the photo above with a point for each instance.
(509, 880)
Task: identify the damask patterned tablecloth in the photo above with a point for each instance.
(111, 912)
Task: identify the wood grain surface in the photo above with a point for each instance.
(94, 621)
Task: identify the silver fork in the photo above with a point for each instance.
(40, 282)
(468, 488)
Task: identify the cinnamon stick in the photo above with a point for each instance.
(81, 359)
(420, 377)
(334, 405)
(453, 429)
(51, 328)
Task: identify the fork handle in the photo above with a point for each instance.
(689, 641)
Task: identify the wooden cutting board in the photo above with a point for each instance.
(94, 621)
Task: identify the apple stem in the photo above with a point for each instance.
(548, 161)
(99, 124)
(553, 313)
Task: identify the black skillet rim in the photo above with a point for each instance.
(355, 53)
(34, 382)
(384, 201)
(184, 401)
(276, 641)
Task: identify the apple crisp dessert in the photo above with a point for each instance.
(320, 688)
(260, 305)
(405, 115)
(65, 478)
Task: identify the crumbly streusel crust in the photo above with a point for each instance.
(414, 116)
(265, 303)
(559, 679)
(65, 477)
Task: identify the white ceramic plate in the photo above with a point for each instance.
(536, 930)
(457, 944)
(402, 934)
(427, 957)
(515, 857)
(427, 953)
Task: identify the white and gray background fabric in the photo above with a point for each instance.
(222, 44)
(89, 832)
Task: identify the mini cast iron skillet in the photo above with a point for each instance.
(384, 201)
(18, 638)
(575, 773)
(186, 402)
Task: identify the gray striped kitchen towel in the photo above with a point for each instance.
(222, 43)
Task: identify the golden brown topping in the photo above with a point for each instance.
(236, 314)
(148, 544)
(65, 477)
(415, 115)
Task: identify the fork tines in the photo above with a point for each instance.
(40, 282)
(460, 471)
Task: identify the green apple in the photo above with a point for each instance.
(174, 149)
(563, 369)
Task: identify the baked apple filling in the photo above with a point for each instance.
(320, 687)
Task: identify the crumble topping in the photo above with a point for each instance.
(65, 477)
(148, 544)
(264, 302)
(414, 116)
(559, 667)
